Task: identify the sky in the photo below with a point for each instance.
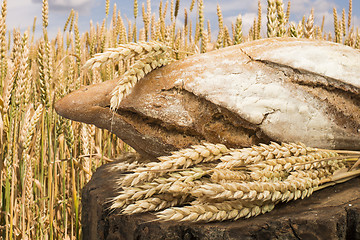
(21, 13)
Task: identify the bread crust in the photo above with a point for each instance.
(267, 90)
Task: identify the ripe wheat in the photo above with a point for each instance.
(226, 184)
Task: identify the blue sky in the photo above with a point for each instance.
(21, 12)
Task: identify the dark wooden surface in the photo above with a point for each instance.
(331, 213)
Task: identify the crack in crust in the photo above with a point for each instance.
(208, 122)
(343, 99)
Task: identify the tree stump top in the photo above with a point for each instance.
(331, 213)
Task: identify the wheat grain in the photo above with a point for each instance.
(8, 88)
(350, 14)
(283, 172)
(68, 19)
(336, 26)
(343, 22)
(293, 30)
(238, 30)
(227, 174)
(192, 5)
(125, 52)
(202, 33)
(183, 158)
(30, 126)
(155, 203)
(272, 22)
(138, 70)
(287, 15)
(259, 23)
(227, 39)
(85, 147)
(175, 183)
(281, 18)
(42, 72)
(45, 156)
(45, 14)
(3, 43)
(213, 212)
(357, 42)
(221, 34)
(309, 26)
(241, 157)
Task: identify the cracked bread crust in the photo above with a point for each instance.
(239, 96)
(282, 102)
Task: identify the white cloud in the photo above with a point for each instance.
(248, 5)
(21, 13)
(247, 21)
(79, 5)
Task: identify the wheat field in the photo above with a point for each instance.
(46, 159)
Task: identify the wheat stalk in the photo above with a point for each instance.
(41, 160)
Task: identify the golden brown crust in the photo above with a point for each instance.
(228, 96)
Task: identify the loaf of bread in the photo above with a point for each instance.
(279, 89)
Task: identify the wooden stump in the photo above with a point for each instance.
(331, 213)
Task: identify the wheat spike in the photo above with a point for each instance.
(350, 14)
(293, 30)
(343, 22)
(202, 33)
(287, 16)
(192, 5)
(357, 42)
(272, 23)
(220, 38)
(153, 55)
(71, 15)
(281, 18)
(241, 157)
(214, 212)
(8, 88)
(309, 26)
(125, 52)
(29, 128)
(174, 183)
(3, 44)
(183, 158)
(246, 182)
(238, 31)
(155, 203)
(336, 26)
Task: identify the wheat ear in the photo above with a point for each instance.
(272, 23)
(137, 71)
(125, 52)
(214, 212)
(180, 159)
